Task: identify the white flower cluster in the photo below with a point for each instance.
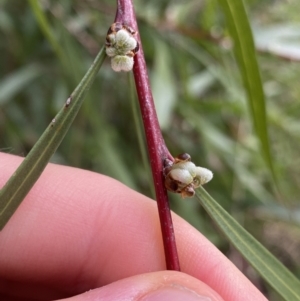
(121, 46)
(183, 176)
(187, 172)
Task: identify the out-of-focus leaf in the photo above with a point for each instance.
(280, 39)
(45, 27)
(278, 212)
(244, 50)
(200, 83)
(17, 187)
(272, 270)
(113, 162)
(17, 81)
(6, 23)
(163, 84)
(137, 119)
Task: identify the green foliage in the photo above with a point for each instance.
(193, 67)
(275, 273)
(244, 49)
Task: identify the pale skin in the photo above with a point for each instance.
(84, 236)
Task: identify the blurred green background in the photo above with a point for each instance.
(200, 101)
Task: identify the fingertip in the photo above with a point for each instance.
(157, 286)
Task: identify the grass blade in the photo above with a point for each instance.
(273, 271)
(14, 191)
(240, 31)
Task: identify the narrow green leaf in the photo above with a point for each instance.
(273, 271)
(244, 50)
(14, 191)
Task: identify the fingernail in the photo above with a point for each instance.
(174, 294)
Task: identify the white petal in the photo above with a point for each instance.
(124, 42)
(204, 174)
(190, 166)
(122, 63)
(111, 38)
(181, 175)
(131, 43)
(122, 35)
(111, 51)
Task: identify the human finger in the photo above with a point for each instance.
(78, 230)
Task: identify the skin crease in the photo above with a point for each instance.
(77, 230)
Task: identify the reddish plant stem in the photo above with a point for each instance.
(157, 149)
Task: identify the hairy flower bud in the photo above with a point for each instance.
(183, 176)
(121, 46)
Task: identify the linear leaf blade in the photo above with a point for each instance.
(244, 49)
(272, 270)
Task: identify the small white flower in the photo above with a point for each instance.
(121, 46)
(122, 63)
(183, 176)
(124, 42)
(111, 51)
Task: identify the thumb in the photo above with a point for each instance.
(158, 286)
